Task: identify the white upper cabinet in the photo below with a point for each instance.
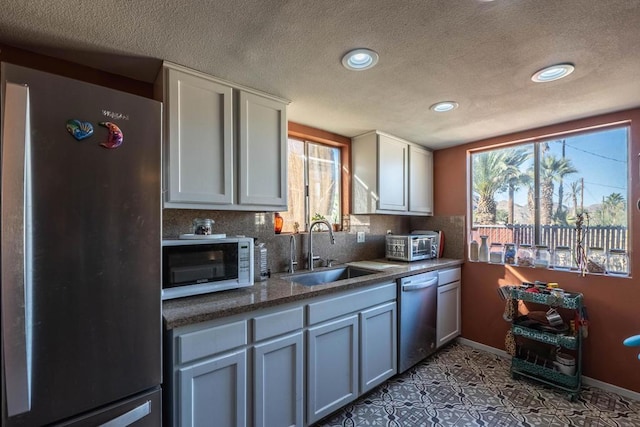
(225, 145)
(199, 132)
(263, 151)
(391, 176)
(393, 156)
(420, 180)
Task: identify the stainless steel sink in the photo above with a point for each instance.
(318, 277)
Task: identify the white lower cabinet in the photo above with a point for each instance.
(378, 346)
(332, 366)
(344, 332)
(277, 387)
(449, 314)
(214, 389)
(250, 369)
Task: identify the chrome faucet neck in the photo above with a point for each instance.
(310, 246)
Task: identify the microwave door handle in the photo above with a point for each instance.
(16, 249)
(420, 285)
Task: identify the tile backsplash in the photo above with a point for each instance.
(259, 225)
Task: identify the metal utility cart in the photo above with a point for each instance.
(541, 369)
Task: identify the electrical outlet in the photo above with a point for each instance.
(360, 237)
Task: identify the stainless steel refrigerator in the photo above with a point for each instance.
(80, 253)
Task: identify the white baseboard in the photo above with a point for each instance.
(585, 380)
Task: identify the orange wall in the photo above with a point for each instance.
(613, 303)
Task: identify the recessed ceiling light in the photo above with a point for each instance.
(552, 73)
(444, 106)
(359, 59)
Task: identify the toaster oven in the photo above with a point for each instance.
(411, 247)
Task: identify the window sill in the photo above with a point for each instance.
(558, 270)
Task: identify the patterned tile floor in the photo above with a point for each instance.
(463, 386)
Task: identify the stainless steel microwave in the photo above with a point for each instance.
(193, 267)
(411, 247)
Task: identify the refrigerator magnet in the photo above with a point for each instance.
(79, 129)
(115, 138)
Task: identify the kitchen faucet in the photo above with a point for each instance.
(310, 256)
(292, 253)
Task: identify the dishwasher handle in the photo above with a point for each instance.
(420, 285)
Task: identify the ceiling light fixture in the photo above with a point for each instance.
(444, 106)
(552, 73)
(359, 59)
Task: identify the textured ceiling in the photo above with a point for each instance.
(478, 53)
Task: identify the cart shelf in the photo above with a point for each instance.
(568, 382)
(566, 341)
(572, 301)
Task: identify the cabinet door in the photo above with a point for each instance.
(378, 345)
(448, 324)
(420, 180)
(392, 175)
(332, 367)
(278, 397)
(263, 152)
(199, 154)
(214, 390)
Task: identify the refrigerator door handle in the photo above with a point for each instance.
(128, 418)
(15, 248)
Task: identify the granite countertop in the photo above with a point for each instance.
(278, 290)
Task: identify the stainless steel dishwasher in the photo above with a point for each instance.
(418, 299)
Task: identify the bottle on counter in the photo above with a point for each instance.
(596, 260)
(543, 257)
(562, 259)
(510, 253)
(261, 269)
(278, 222)
(473, 250)
(496, 253)
(525, 255)
(483, 251)
(618, 262)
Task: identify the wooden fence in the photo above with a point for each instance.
(607, 237)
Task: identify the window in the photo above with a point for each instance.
(318, 161)
(314, 184)
(535, 192)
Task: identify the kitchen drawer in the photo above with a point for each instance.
(271, 325)
(209, 341)
(353, 302)
(448, 276)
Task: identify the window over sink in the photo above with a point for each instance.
(316, 183)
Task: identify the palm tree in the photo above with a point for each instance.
(488, 179)
(613, 205)
(552, 169)
(561, 213)
(515, 177)
(575, 191)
